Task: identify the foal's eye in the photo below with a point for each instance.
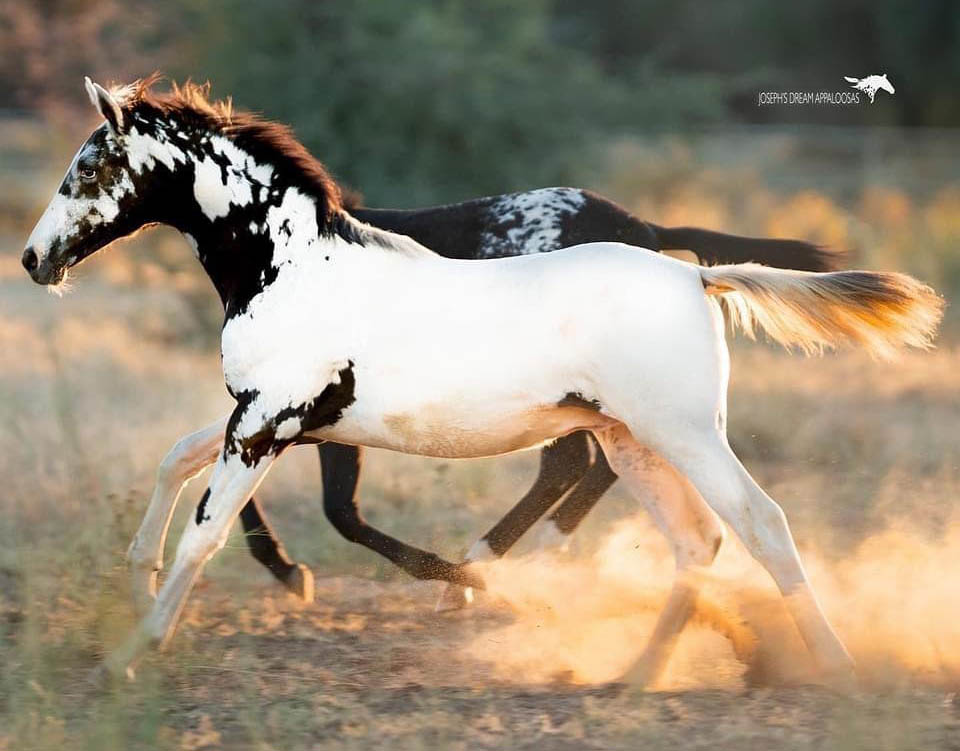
(88, 174)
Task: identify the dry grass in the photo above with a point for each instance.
(863, 456)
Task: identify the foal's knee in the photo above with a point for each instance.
(185, 460)
(200, 541)
(175, 467)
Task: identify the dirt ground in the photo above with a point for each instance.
(368, 665)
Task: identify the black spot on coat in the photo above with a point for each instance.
(202, 515)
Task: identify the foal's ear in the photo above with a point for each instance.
(106, 105)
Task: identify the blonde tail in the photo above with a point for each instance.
(878, 310)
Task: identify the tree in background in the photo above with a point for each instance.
(433, 100)
(414, 103)
(50, 45)
(761, 45)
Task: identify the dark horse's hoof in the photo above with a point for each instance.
(454, 597)
(300, 582)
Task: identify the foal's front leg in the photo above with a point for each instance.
(189, 456)
(234, 480)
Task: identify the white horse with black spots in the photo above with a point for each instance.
(573, 473)
(338, 331)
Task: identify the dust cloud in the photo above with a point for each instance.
(585, 620)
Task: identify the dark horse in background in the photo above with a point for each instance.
(535, 221)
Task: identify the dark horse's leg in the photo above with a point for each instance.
(565, 464)
(340, 466)
(585, 494)
(267, 548)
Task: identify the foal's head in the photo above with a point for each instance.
(175, 158)
(101, 196)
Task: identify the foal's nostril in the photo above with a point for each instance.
(30, 261)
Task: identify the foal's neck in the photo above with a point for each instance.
(246, 209)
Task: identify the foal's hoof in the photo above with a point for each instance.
(454, 597)
(300, 582)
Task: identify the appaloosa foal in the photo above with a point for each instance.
(338, 331)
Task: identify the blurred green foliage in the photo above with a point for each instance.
(414, 103)
(422, 102)
(437, 100)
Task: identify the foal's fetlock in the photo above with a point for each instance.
(139, 560)
(121, 663)
(838, 671)
(101, 676)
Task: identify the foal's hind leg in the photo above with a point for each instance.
(705, 457)
(695, 532)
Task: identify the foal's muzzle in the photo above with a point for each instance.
(40, 272)
(30, 260)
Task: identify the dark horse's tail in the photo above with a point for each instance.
(716, 247)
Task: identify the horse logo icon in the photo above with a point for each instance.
(871, 85)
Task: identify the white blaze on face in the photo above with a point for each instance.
(65, 213)
(214, 195)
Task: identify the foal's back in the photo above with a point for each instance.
(485, 354)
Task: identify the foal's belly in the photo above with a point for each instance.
(435, 432)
